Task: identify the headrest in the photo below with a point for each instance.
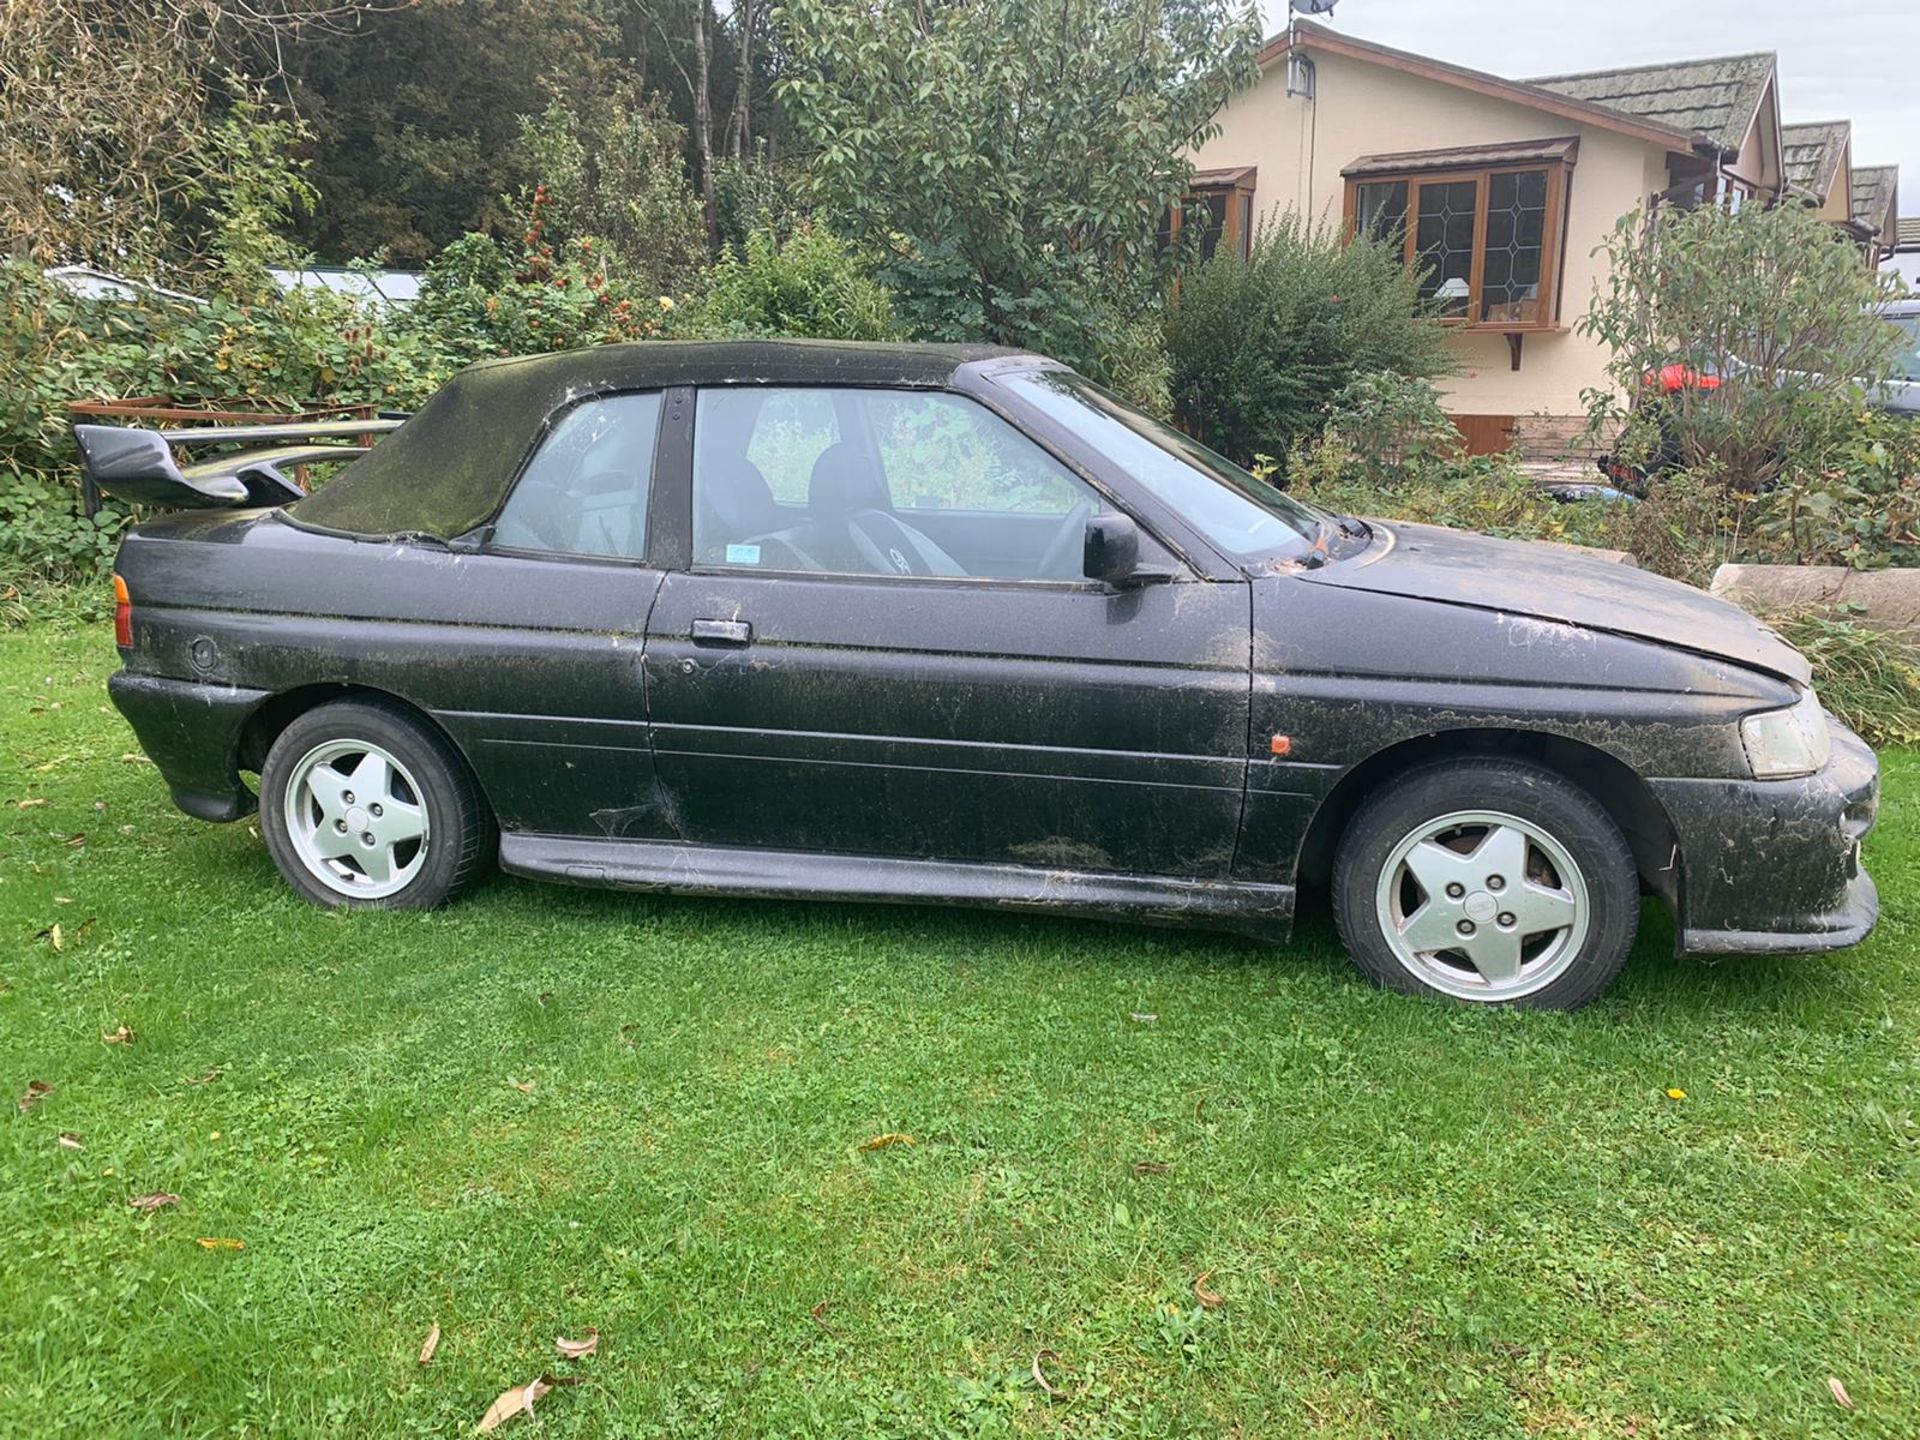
(841, 484)
(738, 496)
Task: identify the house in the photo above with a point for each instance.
(1905, 259)
(1505, 189)
(1876, 204)
(1819, 161)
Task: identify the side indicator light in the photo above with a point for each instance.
(122, 615)
(1282, 745)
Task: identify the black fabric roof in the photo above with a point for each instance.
(448, 469)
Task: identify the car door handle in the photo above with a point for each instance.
(722, 632)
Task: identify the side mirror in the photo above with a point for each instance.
(1112, 550)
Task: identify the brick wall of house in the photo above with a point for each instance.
(1553, 437)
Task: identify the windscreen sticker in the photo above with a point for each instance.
(743, 554)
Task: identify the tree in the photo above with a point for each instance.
(416, 111)
(109, 143)
(1773, 306)
(1012, 159)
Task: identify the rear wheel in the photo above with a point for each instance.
(361, 805)
(1491, 881)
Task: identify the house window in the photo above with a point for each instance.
(1489, 241)
(1221, 202)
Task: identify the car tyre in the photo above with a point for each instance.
(1487, 880)
(362, 805)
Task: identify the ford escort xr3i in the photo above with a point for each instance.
(941, 624)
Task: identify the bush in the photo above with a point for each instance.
(1773, 304)
(1488, 493)
(1257, 346)
(810, 286)
(608, 172)
(1870, 679)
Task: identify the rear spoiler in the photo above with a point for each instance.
(139, 465)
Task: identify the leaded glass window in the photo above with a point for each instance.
(1516, 235)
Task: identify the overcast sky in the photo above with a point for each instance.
(1855, 60)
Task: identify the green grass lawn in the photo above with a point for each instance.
(543, 1110)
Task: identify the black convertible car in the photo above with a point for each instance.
(956, 625)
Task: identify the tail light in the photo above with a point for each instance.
(122, 615)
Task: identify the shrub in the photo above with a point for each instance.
(1869, 678)
(1773, 304)
(760, 194)
(1392, 425)
(1257, 346)
(810, 285)
(1488, 493)
(608, 171)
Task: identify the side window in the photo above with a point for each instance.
(943, 452)
(879, 482)
(786, 436)
(585, 490)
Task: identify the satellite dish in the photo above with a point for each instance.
(1311, 7)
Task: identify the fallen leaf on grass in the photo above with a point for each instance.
(1143, 1017)
(430, 1344)
(219, 1242)
(1839, 1392)
(159, 1200)
(31, 801)
(1208, 1298)
(518, 1401)
(37, 1090)
(131, 759)
(122, 1036)
(69, 1140)
(578, 1349)
(819, 1313)
(1040, 1376)
(1150, 1167)
(525, 1087)
(206, 1079)
(881, 1142)
(53, 936)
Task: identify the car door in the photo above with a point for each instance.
(884, 645)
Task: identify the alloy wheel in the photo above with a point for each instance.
(356, 819)
(1483, 905)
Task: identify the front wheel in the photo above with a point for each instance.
(1493, 881)
(362, 805)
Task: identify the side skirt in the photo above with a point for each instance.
(1262, 911)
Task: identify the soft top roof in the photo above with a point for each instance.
(448, 468)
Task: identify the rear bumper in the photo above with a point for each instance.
(191, 732)
(1774, 866)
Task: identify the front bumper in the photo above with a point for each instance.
(1773, 866)
(191, 732)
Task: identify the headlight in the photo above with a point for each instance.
(1784, 743)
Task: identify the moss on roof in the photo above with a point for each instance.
(1874, 188)
(1714, 98)
(1813, 152)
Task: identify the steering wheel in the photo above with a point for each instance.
(1071, 535)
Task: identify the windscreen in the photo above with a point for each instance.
(1906, 363)
(1241, 514)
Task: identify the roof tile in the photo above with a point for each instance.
(1715, 98)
